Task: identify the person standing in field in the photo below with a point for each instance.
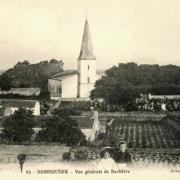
(96, 126)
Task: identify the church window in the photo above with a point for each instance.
(88, 67)
(59, 90)
(88, 79)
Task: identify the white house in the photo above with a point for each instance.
(91, 125)
(77, 84)
(9, 106)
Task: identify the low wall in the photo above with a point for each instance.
(133, 116)
(37, 153)
(134, 113)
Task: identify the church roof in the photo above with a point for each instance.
(67, 73)
(63, 74)
(86, 51)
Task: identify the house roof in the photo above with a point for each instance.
(23, 91)
(63, 74)
(67, 73)
(86, 122)
(17, 103)
(86, 51)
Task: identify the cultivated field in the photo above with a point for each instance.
(164, 134)
(150, 141)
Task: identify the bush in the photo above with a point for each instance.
(73, 108)
(66, 111)
(61, 129)
(18, 127)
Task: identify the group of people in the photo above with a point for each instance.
(109, 158)
(114, 159)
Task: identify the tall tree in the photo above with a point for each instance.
(62, 129)
(26, 75)
(122, 84)
(18, 127)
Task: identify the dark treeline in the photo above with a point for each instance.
(125, 82)
(58, 128)
(26, 75)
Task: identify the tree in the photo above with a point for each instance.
(122, 84)
(5, 83)
(26, 75)
(18, 127)
(62, 130)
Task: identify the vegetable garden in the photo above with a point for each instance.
(164, 134)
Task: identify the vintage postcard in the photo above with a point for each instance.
(90, 89)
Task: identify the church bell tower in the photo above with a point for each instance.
(86, 65)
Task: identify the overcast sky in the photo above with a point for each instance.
(143, 31)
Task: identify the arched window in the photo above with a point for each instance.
(88, 67)
(88, 79)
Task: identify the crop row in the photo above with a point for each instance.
(144, 135)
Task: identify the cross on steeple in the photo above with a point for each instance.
(86, 13)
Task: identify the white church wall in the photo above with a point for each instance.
(85, 90)
(87, 71)
(87, 68)
(69, 86)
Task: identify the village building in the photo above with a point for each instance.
(9, 106)
(163, 97)
(77, 84)
(163, 102)
(91, 125)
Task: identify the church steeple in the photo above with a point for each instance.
(86, 65)
(86, 51)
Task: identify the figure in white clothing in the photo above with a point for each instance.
(106, 162)
(96, 127)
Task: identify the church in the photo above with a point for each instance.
(77, 84)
